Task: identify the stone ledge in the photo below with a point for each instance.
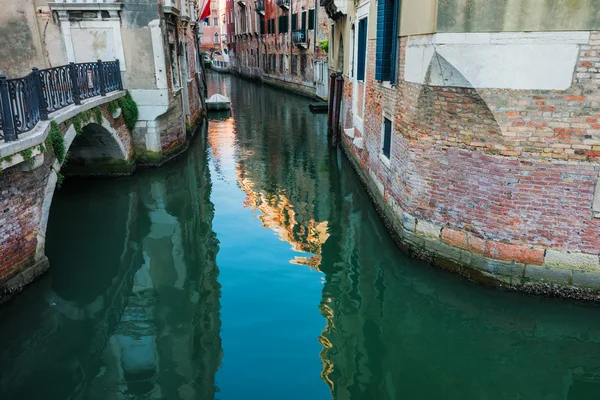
(38, 135)
(22, 279)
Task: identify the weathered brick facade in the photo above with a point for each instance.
(500, 175)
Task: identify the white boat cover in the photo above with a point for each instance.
(218, 98)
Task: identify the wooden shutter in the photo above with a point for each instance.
(387, 137)
(303, 20)
(385, 33)
(294, 22)
(394, 42)
(362, 49)
(311, 18)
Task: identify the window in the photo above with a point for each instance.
(387, 138)
(206, 22)
(387, 33)
(271, 26)
(216, 40)
(281, 63)
(216, 21)
(283, 24)
(262, 26)
(302, 64)
(294, 64)
(311, 18)
(362, 49)
(294, 22)
(303, 20)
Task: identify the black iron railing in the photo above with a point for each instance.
(299, 37)
(27, 100)
(259, 5)
(283, 3)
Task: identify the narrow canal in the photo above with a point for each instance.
(255, 267)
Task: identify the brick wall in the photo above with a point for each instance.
(21, 197)
(515, 167)
(172, 132)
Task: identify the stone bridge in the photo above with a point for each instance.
(73, 129)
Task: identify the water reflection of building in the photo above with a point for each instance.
(56, 339)
(167, 343)
(396, 329)
(273, 141)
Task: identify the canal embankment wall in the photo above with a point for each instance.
(500, 185)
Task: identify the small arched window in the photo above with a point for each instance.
(217, 41)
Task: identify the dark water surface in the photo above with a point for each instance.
(255, 267)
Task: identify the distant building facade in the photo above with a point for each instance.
(280, 42)
(213, 27)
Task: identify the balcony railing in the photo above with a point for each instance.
(299, 37)
(259, 6)
(27, 100)
(283, 3)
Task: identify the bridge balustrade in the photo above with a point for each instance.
(26, 101)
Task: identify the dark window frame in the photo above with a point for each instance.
(386, 143)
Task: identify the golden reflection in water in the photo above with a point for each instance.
(221, 140)
(277, 210)
(327, 371)
(278, 214)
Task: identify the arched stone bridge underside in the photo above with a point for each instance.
(31, 172)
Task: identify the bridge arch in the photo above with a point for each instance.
(98, 150)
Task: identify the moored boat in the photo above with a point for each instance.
(218, 102)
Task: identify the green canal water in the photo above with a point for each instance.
(255, 267)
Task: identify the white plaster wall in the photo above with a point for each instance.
(536, 60)
(151, 102)
(91, 40)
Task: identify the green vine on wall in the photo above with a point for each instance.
(324, 45)
(27, 155)
(84, 117)
(129, 109)
(97, 114)
(112, 107)
(57, 142)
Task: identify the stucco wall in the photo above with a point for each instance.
(418, 17)
(28, 31)
(517, 15)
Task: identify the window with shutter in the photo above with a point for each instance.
(294, 22)
(283, 24)
(303, 20)
(362, 49)
(262, 26)
(311, 18)
(387, 138)
(387, 33)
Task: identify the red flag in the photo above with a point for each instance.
(205, 10)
